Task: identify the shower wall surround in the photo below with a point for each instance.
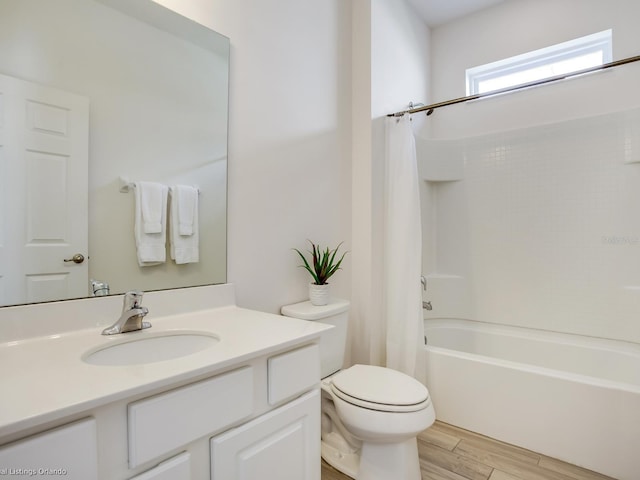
(538, 227)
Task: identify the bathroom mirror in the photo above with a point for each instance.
(95, 94)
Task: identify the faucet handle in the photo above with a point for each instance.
(132, 299)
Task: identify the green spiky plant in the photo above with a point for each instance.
(323, 262)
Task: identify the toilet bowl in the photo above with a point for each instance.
(384, 410)
(371, 415)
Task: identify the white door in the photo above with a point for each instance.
(44, 138)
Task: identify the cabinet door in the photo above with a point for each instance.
(175, 468)
(282, 444)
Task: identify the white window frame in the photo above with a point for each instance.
(600, 42)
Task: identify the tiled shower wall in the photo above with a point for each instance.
(538, 227)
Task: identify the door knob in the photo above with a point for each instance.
(77, 258)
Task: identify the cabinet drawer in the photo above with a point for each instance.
(176, 467)
(68, 452)
(293, 373)
(170, 420)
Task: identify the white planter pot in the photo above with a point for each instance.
(319, 294)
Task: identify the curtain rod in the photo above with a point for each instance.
(430, 108)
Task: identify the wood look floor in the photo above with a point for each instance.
(450, 453)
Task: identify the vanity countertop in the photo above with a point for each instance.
(44, 378)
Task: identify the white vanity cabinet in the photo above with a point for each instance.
(260, 420)
(283, 443)
(247, 407)
(255, 420)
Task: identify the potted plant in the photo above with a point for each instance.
(323, 264)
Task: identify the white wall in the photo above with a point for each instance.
(362, 295)
(289, 139)
(295, 116)
(541, 228)
(518, 26)
(391, 62)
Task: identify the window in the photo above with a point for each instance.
(572, 56)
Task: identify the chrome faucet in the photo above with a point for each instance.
(425, 305)
(132, 314)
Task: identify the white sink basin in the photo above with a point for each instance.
(151, 348)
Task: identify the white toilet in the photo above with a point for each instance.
(370, 415)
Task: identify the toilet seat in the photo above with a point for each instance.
(379, 388)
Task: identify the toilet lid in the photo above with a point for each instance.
(380, 388)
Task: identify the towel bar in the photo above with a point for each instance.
(126, 186)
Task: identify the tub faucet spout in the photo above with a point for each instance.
(132, 314)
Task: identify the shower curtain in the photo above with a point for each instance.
(402, 248)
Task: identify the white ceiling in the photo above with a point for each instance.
(438, 12)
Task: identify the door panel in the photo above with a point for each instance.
(44, 135)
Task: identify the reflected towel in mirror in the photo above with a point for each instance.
(184, 234)
(151, 203)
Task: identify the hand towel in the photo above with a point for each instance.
(151, 205)
(151, 246)
(187, 198)
(183, 217)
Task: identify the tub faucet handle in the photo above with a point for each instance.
(423, 281)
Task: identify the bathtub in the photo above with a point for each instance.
(570, 397)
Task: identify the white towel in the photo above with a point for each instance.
(184, 235)
(151, 205)
(151, 223)
(187, 198)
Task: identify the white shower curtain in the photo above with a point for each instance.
(402, 248)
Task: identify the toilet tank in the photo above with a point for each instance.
(332, 342)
